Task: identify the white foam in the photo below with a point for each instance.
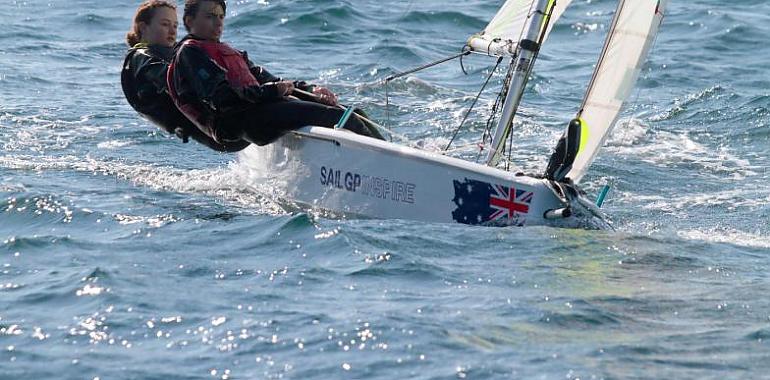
(38, 133)
(114, 144)
(629, 132)
(225, 183)
(666, 149)
(731, 199)
(729, 236)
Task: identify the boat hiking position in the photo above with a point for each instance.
(351, 175)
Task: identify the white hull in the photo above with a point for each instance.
(338, 171)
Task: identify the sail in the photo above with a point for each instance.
(503, 33)
(633, 32)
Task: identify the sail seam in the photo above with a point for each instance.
(625, 32)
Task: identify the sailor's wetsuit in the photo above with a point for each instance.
(229, 98)
(144, 84)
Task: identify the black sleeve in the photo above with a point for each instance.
(260, 93)
(147, 77)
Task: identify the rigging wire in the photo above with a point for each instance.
(487, 135)
(390, 78)
(475, 100)
(428, 65)
(508, 148)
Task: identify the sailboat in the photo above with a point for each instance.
(336, 171)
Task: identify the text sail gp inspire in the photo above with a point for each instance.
(376, 187)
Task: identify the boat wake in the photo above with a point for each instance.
(225, 183)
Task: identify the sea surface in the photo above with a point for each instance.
(125, 254)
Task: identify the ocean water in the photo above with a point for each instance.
(125, 254)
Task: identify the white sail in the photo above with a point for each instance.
(633, 31)
(503, 33)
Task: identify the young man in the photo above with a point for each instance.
(230, 98)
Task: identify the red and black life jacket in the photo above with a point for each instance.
(237, 73)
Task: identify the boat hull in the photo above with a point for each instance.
(352, 175)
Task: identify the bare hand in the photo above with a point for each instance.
(325, 96)
(285, 88)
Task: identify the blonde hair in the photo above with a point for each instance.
(144, 14)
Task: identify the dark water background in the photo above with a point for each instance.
(125, 254)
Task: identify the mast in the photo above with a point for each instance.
(528, 48)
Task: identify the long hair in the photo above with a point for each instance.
(191, 9)
(144, 14)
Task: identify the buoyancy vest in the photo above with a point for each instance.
(237, 73)
(231, 60)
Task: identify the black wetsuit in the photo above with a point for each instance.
(253, 112)
(144, 84)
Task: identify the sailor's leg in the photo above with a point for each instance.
(264, 123)
(557, 158)
(565, 153)
(373, 130)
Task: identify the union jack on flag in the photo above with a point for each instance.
(480, 202)
(509, 203)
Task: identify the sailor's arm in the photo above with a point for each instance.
(204, 81)
(154, 71)
(322, 94)
(149, 76)
(222, 95)
(195, 76)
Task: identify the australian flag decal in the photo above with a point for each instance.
(483, 203)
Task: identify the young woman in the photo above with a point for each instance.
(229, 97)
(151, 41)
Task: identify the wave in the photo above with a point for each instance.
(451, 19)
(306, 17)
(414, 271)
(727, 235)
(13, 34)
(747, 198)
(737, 36)
(681, 106)
(224, 183)
(593, 319)
(20, 243)
(28, 210)
(43, 131)
(680, 151)
(91, 20)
